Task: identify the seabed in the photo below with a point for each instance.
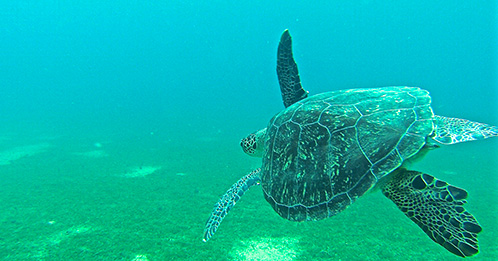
(60, 201)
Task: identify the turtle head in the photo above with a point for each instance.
(253, 144)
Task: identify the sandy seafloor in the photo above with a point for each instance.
(85, 199)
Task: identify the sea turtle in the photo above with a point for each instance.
(324, 151)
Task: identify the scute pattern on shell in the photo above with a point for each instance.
(325, 151)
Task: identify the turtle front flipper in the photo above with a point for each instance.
(437, 208)
(453, 130)
(228, 200)
(288, 75)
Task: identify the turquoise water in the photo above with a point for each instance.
(121, 123)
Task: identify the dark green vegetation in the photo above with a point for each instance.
(98, 214)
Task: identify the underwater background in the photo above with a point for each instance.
(120, 122)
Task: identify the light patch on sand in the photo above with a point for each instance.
(449, 172)
(141, 171)
(5, 138)
(93, 154)
(10, 155)
(281, 249)
(140, 258)
(55, 239)
(58, 237)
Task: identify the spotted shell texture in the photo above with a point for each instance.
(325, 151)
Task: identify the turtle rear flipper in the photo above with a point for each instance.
(228, 200)
(288, 75)
(454, 130)
(437, 208)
